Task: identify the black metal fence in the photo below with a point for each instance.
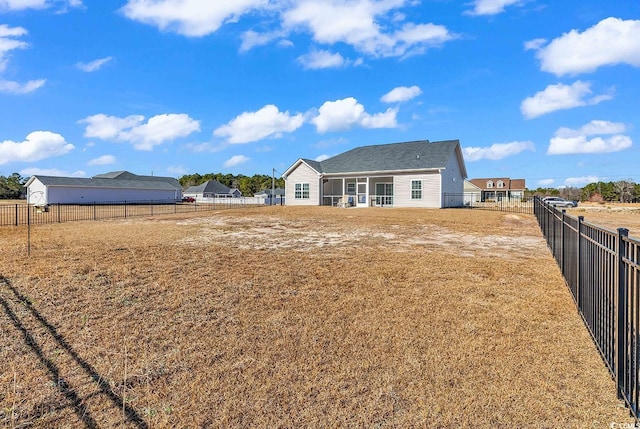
(472, 201)
(602, 271)
(25, 214)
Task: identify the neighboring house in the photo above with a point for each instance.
(472, 193)
(115, 187)
(212, 189)
(501, 188)
(278, 198)
(410, 174)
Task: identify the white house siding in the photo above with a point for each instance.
(37, 193)
(452, 183)
(303, 174)
(81, 195)
(431, 197)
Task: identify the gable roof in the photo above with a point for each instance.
(509, 184)
(125, 175)
(414, 155)
(209, 187)
(82, 182)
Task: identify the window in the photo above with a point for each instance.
(301, 191)
(416, 189)
(489, 184)
(500, 184)
(351, 188)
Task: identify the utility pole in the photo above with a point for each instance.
(273, 186)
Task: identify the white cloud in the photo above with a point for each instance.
(569, 141)
(36, 4)
(11, 87)
(235, 160)
(322, 157)
(93, 65)
(374, 27)
(497, 151)
(251, 39)
(611, 41)
(358, 23)
(321, 60)
(534, 44)
(490, 7)
(253, 126)
(103, 160)
(8, 43)
(546, 182)
(38, 145)
(193, 18)
(400, 94)
(159, 129)
(34, 171)
(559, 97)
(341, 115)
(580, 181)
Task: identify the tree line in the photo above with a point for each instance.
(248, 185)
(12, 187)
(623, 191)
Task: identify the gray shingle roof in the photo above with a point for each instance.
(125, 175)
(105, 183)
(415, 155)
(209, 187)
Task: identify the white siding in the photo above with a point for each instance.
(80, 195)
(431, 197)
(303, 174)
(37, 193)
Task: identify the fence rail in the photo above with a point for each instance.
(472, 201)
(602, 271)
(24, 214)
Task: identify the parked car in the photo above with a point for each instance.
(560, 202)
(188, 200)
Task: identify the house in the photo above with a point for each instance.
(212, 189)
(472, 193)
(278, 196)
(499, 189)
(115, 187)
(409, 174)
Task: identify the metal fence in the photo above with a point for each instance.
(472, 201)
(602, 271)
(26, 214)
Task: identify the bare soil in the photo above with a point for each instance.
(295, 317)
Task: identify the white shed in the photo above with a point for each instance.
(117, 187)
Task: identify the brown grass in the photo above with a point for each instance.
(294, 317)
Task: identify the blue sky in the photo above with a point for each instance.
(548, 91)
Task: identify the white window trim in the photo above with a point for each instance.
(299, 191)
(416, 191)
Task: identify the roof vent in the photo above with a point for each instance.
(417, 156)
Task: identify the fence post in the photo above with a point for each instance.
(579, 262)
(562, 243)
(16, 215)
(58, 213)
(621, 328)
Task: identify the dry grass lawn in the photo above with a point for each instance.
(295, 317)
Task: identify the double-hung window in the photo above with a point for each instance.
(416, 189)
(302, 191)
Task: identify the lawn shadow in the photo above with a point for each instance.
(57, 378)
